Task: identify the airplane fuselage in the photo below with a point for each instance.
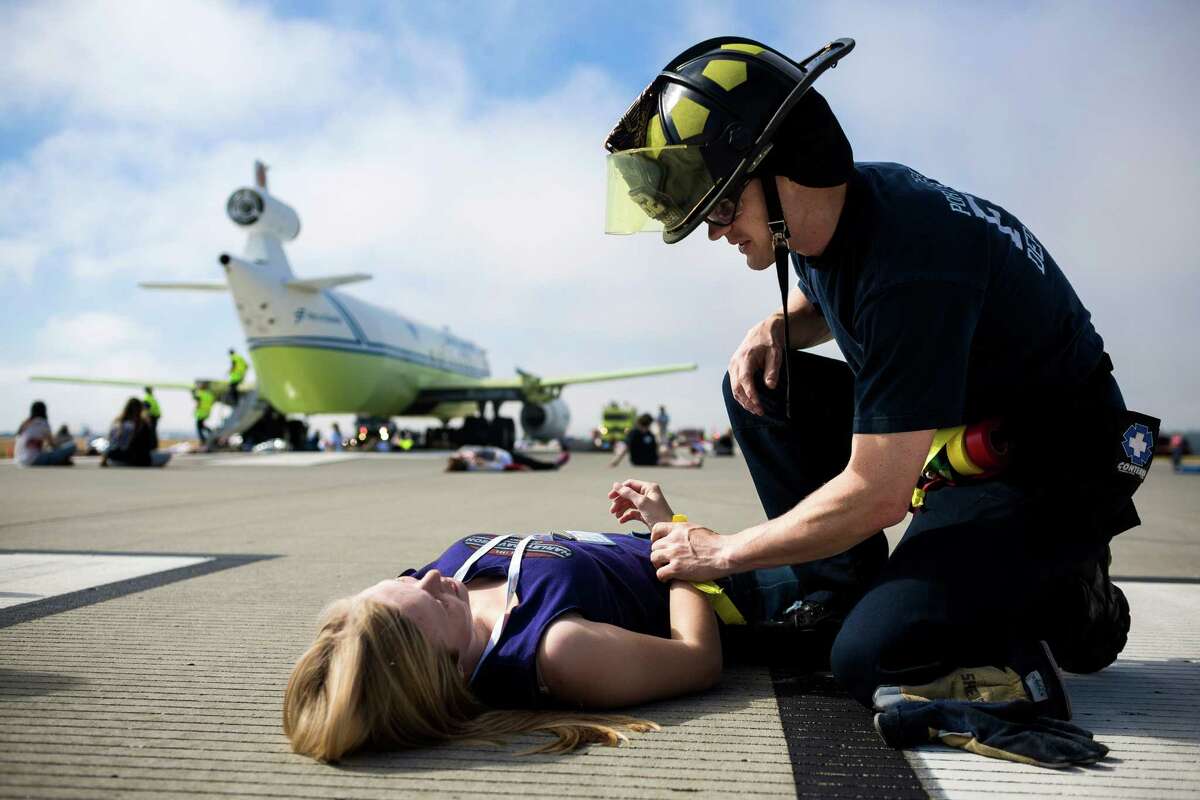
(320, 351)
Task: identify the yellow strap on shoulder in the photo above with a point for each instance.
(720, 602)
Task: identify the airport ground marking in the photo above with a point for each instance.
(172, 567)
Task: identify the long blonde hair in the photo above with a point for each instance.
(372, 680)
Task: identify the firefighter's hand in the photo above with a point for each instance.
(687, 552)
(760, 351)
(641, 501)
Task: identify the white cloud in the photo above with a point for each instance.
(197, 64)
(93, 344)
(90, 335)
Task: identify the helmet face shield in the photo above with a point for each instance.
(701, 127)
(655, 188)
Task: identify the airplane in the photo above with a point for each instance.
(318, 351)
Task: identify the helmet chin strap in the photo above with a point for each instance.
(779, 237)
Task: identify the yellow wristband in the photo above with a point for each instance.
(720, 602)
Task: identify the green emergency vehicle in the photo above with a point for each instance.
(616, 420)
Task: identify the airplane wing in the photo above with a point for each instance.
(217, 386)
(593, 377)
(530, 388)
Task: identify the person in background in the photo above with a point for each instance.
(336, 440)
(664, 422)
(1176, 443)
(153, 412)
(642, 447)
(62, 436)
(204, 402)
(34, 446)
(131, 442)
(496, 459)
(237, 373)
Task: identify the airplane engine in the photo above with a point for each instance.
(258, 212)
(545, 421)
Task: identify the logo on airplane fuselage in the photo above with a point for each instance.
(316, 316)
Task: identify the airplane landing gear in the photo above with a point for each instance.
(495, 432)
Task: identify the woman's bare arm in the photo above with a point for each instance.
(597, 665)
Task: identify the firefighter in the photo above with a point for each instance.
(949, 312)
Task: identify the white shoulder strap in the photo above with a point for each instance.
(461, 573)
(514, 572)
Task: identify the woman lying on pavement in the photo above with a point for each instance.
(504, 635)
(471, 458)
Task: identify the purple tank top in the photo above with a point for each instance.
(603, 583)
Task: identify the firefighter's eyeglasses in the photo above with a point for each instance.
(727, 208)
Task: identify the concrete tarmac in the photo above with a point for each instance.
(175, 689)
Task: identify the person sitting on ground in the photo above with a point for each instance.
(642, 447)
(496, 459)
(62, 436)
(35, 446)
(131, 440)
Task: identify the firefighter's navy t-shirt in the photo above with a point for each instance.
(946, 307)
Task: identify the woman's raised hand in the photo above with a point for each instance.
(639, 500)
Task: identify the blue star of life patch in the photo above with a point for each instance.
(1138, 444)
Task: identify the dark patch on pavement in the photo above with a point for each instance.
(834, 748)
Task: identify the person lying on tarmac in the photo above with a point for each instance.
(471, 458)
(35, 446)
(502, 635)
(132, 439)
(453, 651)
(642, 446)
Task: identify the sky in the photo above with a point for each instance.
(453, 150)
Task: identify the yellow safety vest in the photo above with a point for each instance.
(152, 406)
(204, 403)
(237, 368)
